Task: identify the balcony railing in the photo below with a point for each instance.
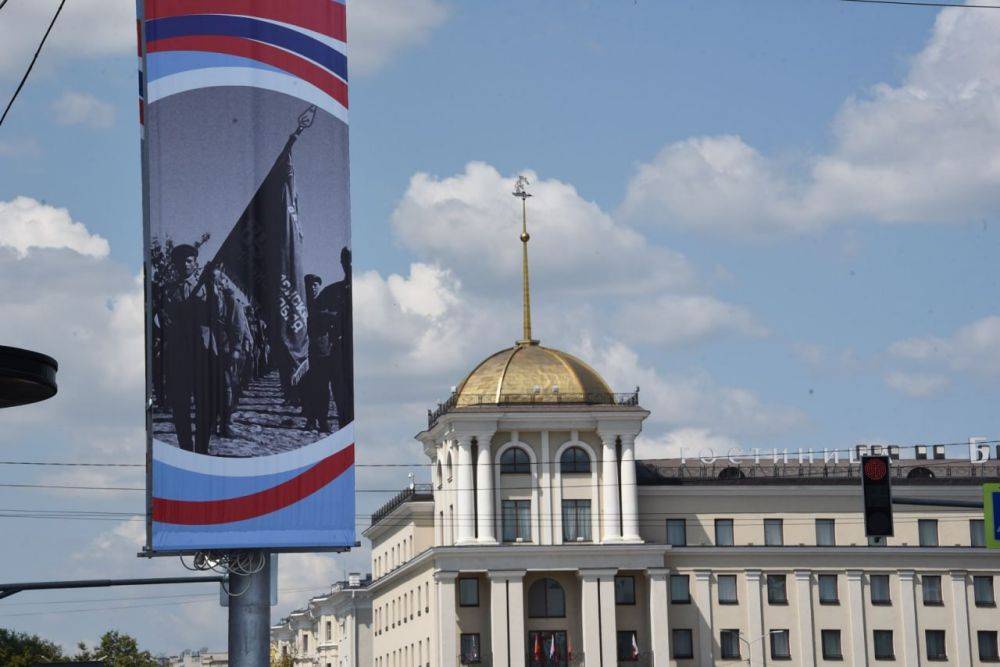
(416, 492)
(627, 399)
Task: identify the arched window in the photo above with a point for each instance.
(449, 467)
(440, 473)
(515, 460)
(546, 599)
(731, 472)
(574, 459)
(920, 473)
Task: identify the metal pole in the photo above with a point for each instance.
(250, 617)
(937, 502)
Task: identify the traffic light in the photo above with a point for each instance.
(875, 483)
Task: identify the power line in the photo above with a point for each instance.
(924, 4)
(2, 3)
(33, 59)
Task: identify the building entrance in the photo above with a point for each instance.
(547, 648)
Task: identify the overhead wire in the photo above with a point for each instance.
(924, 4)
(34, 58)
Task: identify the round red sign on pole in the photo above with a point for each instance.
(875, 469)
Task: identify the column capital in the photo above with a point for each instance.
(445, 575)
(753, 575)
(855, 575)
(658, 572)
(595, 573)
(907, 575)
(505, 575)
(958, 575)
(703, 575)
(803, 575)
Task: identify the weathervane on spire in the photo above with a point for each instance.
(522, 194)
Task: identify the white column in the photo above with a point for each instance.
(447, 619)
(803, 598)
(960, 603)
(755, 620)
(609, 489)
(545, 513)
(484, 492)
(856, 611)
(659, 626)
(507, 633)
(465, 514)
(703, 603)
(630, 491)
(597, 588)
(908, 608)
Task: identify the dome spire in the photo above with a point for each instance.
(522, 194)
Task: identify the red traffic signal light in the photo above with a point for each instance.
(875, 484)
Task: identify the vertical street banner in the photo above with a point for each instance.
(249, 351)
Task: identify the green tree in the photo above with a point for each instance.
(116, 649)
(18, 649)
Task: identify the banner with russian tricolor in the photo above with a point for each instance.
(250, 423)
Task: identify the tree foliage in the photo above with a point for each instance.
(117, 649)
(19, 649)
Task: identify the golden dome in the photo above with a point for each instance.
(530, 373)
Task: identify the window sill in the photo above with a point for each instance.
(778, 603)
(996, 659)
(730, 602)
(830, 603)
(886, 657)
(684, 657)
(837, 658)
(942, 658)
(881, 603)
(688, 601)
(933, 604)
(781, 657)
(987, 605)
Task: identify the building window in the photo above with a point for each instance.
(677, 532)
(468, 592)
(624, 590)
(988, 646)
(883, 645)
(830, 640)
(574, 460)
(305, 643)
(470, 648)
(683, 644)
(780, 648)
(329, 631)
(826, 535)
(547, 649)
(628, 646)
(546, 599)
(773, 532)
(982, 587)
(516, 520)
(727, 589)
(977, 533)
(931, 586)
(576, 520)
(928, 529)
(680, 589)
(724, 532)
(879, 586)
(515, 461)
(935, 645)
(828, 589)
(776, 591)
(729, 642)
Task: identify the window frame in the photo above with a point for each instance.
(891, 655)
(478, 648)
(622, 578)
(461, 583)
(887, 602)
(731, 632)
(674, 643)
(516, 505)
(626, 646)
(788, 644)
(718, 589)
(780, 523)
(839, 655)
(783, 600)
(820, 578)
(992, 602)
(977, 534)
(513, 467)
(920, 532)
(582, 528)
(925, 579)
(574, 467)
(683, 528)
(995, 657)
(719, 523)
(832, 523)
(687, 588)
(546, 589)
(943, 656)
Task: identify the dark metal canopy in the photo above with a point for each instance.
(25, 376)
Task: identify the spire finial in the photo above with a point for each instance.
(522, 194)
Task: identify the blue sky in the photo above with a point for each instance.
(778, 218)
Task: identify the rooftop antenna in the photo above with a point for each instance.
(412, 485)
(522, 194)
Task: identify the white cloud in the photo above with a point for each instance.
(925, 150)
(471, 222)
(27, 223)
(917, 385)
(675, 319)
(76, 108)
(974, 348)
(683, 442)
(379, 29)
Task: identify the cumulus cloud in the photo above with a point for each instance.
(974, 348)
(685, 319)
(687, 442)
(76, 108)
(917, 385)
(921, 151)
(470, 222)
(28, 223)
(379, 29)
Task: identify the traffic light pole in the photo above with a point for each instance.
(250, 616)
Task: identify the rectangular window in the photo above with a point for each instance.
(729, 641)
(516, 520)
(982, 586)
(468, 592)
(329, 631)
(547, 648)
(977, 533)
(826, 535)
(680, 589)
(931, 585)
(780, 648)
(988, 650)
(305, 643)
(470, 648)
(830, 640)
(576, 520)
(727, 589)
(879, 585)
(724, 532)
(773, 532)
(828, 589)
(883, 645)
(624, 590)
(628, 646)
(928, 529)
(677, 532)
(683, 644)
(935, 645)
(776, 590)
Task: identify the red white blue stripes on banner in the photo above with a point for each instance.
(296, 47)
